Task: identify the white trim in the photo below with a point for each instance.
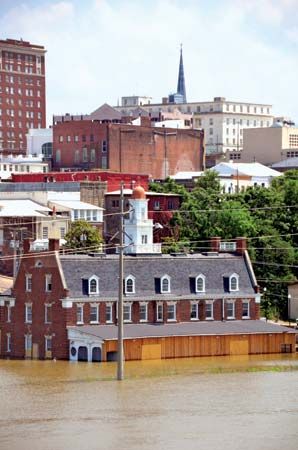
(248, 309)
(80, 306)
(234, 275)
(203, 278)
(165, 277)
(130, 277)
(48, 282)
(8, 342)
(109, 305)
(46, 319)
(231, 302)
(129, 305)
(28, 286)
(196, 304)
(146, 311)
(158, 305)
(209, 302)
(66, 303)
(28, 305)
(171, 303)
(94, 305)
(94, 277)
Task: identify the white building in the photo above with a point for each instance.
(21, 164)
(223, 121)
(138, 237)
(77, 210)
(135, 100)
(40, 142)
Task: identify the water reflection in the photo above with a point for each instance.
(169, 404)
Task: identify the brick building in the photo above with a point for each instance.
(65, 306)
(158, 152)
(22, 93)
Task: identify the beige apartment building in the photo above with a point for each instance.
(269, 145)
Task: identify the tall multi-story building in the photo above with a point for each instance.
(22, 93)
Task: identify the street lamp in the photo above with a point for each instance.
(289, 309)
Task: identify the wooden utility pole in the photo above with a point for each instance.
(120, 359)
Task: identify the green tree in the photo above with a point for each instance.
(83, 235)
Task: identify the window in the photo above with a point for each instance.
(60, 138)
(127, 312)
(48, 313)
(8, 313)
(234, 282)
(93, 285)
(48, 283)
(45, 232)
(92, 155)
(171, 309)
(48, 343)
(28, 342)
(165, 285)
(200, 283)
(245, 309)
(159, 312)
(143, 312)
(68, 138)
(80, 314)
(62, 232)
(8, 342)
(194, 311)
(104, 146)
(156, 204)
(28, 312)
(209, 310)
(109, 313)
(129, 285)
(231, 310)
(58, 156)
(104, 162)
(94, 317)
(85, 154)
(28, 282)
(144, 239)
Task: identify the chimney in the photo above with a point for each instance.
(241, 245)
(215, 244)
(26, 245)
(54, 245)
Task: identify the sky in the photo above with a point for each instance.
(100, 50)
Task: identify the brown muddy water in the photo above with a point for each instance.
(234, 403)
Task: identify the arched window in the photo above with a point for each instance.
(47, 149)
(93, 285)
(200, 283)
(129, 285)
(165, 284)
(234, 282)
(58, 156)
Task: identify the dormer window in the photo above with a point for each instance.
(200, 283)
(130, 285)
(93, 285)
(234, 282)
(165, 284)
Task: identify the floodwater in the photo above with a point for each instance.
(228, 403)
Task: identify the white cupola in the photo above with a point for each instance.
(138, 237)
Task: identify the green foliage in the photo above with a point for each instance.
(83, 235)
(266, 216)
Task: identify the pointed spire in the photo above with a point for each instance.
(181, 80)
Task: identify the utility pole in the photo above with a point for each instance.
(120, 360)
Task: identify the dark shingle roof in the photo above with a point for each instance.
(149, 268)
(184, 329)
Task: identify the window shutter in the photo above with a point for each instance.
(157, 285)
(192, 285)
(226, 284)
(85, 287)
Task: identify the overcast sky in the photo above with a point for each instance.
(100, 50)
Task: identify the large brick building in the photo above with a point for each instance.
(65, 306)
(158, 152)
(22, 93)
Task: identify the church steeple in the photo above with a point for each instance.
(181, 80)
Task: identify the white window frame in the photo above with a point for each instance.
(93, 278)
(132, 278)
(203, 278)
(248, 309)
(8, 342)
(28, 340)
(8, 313)
(127, 305)
(143, 305)
(159, 308)
(48, 281)
(109, 307)
(165, 277)
(47, 340)
(228, 303)
(236, 276)
(80, 313)
(172, 304)
(47, 308)
(209, 302)
(194, 306)
(28, 286)
(96, 306)
(28, 313)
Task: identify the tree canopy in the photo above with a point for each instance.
(82, 235)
